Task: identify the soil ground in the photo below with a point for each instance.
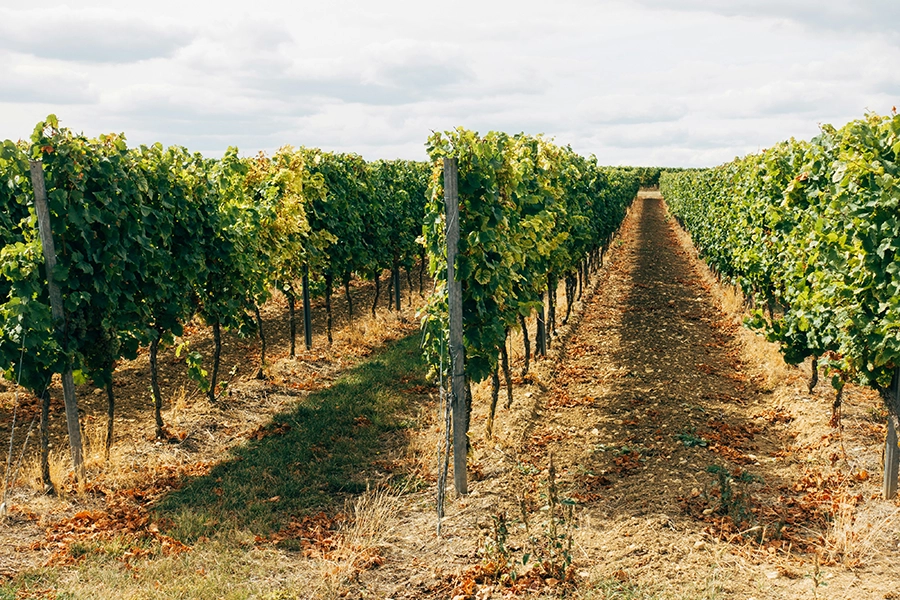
(202, 433)
(697, 464)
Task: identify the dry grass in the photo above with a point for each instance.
(118, 472)
(367, 332)
(363, 540)
(60, 467)
(423, 441)
(857, 532)
(211, 571)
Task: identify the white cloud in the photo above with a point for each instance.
(679, 82)
(859, 16)
(87, 35)
(35, 82)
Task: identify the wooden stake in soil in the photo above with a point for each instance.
(457, 350)
(552, 285)
(154, 385)
(217, 358)
(814, 376)
(421, 271)
(495, 395)
(329, 280)
(307, 317)
(110, 416)
(56, 308)
(349, 298)
(49, 488)
(891, 450)
(524, 325)
(504, 364)
(540, 335)
(377, 280)
(409, 287)
(261, 373)
(890, 459)
(292, 311)
(395, 275)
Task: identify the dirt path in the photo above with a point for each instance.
(693, 476)
(699, 465)
(652, 374)
(651, 383)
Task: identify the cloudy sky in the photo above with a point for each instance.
(643, 82)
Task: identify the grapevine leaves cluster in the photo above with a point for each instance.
(147, 238)
(811, 233)
(528, 210)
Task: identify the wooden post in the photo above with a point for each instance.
(395, 273)
(541, 332)
(891, 451)
(307, 318)
(457, 349)
(890, 459)
(56, 309)
(552, 286)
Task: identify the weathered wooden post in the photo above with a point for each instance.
(457, 350)
(395, 274)
(540, 341)
(891, 451)
(307, 317)
(56, 309)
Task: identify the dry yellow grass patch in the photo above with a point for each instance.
(857, 532)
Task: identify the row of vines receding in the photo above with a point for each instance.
(532, 215)
(148, 238)
(811, 233)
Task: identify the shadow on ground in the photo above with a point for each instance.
(660, 365)
(332, 444)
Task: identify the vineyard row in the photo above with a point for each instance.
(810, 231)
(148, 238)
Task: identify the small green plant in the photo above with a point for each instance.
(497, 561)
(194, 362)
(817, 578)
(734, 493)
(525, 469)
(877, 414)
(551, 547)
(549, 540)
(690, 439)
(79, 549)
